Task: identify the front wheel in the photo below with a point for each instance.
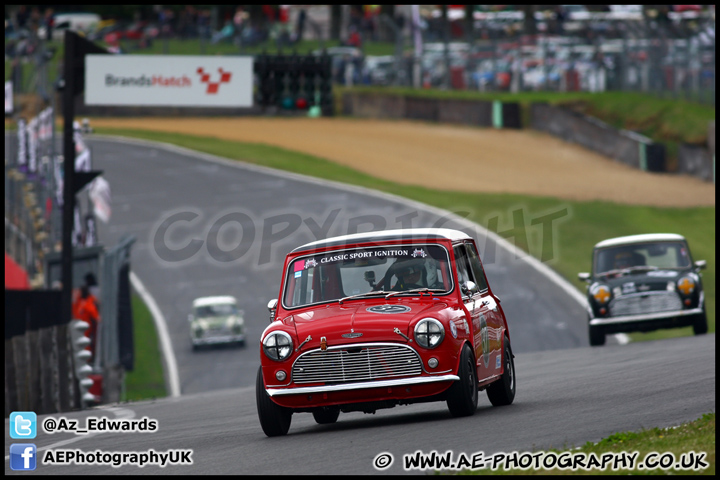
(700, 326)
(597, 336)
(463, 394)
(274, 419)
(502, 392)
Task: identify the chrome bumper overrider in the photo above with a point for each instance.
(644, 317)
(400, 382)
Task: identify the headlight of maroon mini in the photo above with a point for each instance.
(277, 345)
(429, 333)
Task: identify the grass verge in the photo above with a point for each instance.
(146, 381)
(664, 120)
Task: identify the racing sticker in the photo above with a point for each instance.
(389, 309)
(485, 340)
(419, 252)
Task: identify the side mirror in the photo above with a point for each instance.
(272, 305)
(584, 277)
(700, 265)
(468, 288)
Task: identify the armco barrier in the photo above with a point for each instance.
(372, 105)
(34, 382)
(465, 112)
(711, 137)
(480, 113)
(420, 108)
(696, 160)
(624, 146)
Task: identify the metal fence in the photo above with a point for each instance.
(33, 231)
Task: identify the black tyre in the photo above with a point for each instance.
(700, 326)
(597, 336)
(274, 419)
(463, 394)
(326, 415)
(502, 392)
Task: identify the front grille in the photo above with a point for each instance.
(645, 303)
(354, 363)
(217, 331)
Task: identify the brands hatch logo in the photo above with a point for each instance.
(170, 81)
(213, 86)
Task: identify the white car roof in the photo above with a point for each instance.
(220, 299)
(648, 237)
(387, 235)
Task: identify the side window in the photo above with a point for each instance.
(476, 266)
(464, 274)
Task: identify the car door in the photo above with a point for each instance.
(477, 309)
(494, 324)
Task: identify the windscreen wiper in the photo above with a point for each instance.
(647, 268)
(416, 290)
(360, 295)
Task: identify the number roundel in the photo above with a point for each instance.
(388, 309)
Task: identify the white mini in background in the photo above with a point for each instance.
(216, 320)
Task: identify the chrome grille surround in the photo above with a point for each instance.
(649, 302)
(357, 362)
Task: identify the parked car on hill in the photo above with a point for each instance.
(643, 283)
(374, 320)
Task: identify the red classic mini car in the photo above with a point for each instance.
(374, 320)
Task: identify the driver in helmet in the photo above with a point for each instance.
(409, 274)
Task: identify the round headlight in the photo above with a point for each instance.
(429, 333)
(277, 346)
(686, 285)
(601, 294)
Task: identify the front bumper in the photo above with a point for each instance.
(647, 321)
(214, 340)
(400, 382)
(364, 396)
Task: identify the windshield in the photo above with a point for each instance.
(651, 255)
(216, 310)
(364, 272)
